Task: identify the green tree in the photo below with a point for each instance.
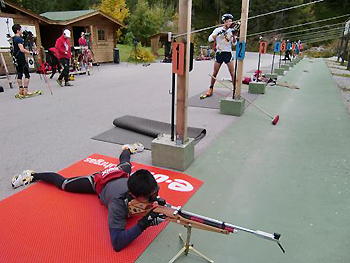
(147, 20)
(36, 6)
(115, 8)
(72, 5)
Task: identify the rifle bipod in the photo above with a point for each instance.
(187, 247)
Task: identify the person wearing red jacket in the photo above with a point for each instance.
(82, 41)
(64, 55)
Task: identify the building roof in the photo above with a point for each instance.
(66, 15)
(26, 11)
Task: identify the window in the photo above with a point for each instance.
(101, 35)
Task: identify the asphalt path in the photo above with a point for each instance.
(51, 132)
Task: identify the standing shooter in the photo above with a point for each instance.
(19, 53)
(64, 55)
(224, 40)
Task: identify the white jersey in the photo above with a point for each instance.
(224, 39)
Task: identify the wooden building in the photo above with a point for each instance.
(49, 26)
(11, 14)
(102, 29)
(157, 41)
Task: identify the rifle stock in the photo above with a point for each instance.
(182, 217)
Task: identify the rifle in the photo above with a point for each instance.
(235, 26)
(188, 219)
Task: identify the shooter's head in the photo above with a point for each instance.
(66, 33)
(143, 186)
(17, 29)
(227, 19)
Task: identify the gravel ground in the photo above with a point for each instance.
(343, 81)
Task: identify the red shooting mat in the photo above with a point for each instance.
(44, 224)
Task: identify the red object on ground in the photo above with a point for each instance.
(275, 120)
(44, 224)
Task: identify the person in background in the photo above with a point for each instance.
(22, 66)
(64, 55)
(82, 41)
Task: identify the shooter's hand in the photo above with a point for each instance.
(221, 32)
(151, 219)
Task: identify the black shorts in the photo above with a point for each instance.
(221, 57)
(22, 68)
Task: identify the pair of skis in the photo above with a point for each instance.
(29, 95)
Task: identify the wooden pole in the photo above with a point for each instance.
(242, 38)
(3, 64)
(185, 8)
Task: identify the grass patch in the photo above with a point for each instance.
(341, 75)
(125, 51)
(347, 90)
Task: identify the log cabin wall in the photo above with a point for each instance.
(103, 49)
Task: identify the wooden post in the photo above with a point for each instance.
(344, 55)
(340, 48)
(3, 64)
(185, 8)
(242, 38)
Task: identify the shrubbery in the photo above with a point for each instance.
(141, 55)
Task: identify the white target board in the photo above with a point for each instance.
(3, 31)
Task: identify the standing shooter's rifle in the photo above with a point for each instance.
(235, 26)
(29, 41)
(188, 219)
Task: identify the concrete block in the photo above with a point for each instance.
(165, 153)
(229, 106)
(279, 71)
(271, 75)
(257, 87)
(285, 67)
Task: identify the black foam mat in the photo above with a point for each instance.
(130, 129)
(213, 102)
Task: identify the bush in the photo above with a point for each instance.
(141, 55)
(320, 54)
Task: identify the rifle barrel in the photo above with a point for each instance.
(230, 227)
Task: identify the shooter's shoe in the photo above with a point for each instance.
(22, 179)
(134, 148)
(68, 84)
(60, 83)
(208, 94)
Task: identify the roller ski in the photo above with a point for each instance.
(29, 94)
(207, 95)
